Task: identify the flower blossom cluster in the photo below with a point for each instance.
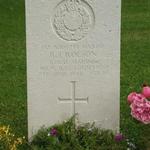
(140, 105)
(53, 132)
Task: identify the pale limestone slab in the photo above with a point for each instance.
(73, 62)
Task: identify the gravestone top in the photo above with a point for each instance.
(73, 62)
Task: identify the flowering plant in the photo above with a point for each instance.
(119, 137)
(8, 139)
(53, 132)
(140, 105)
(67, 136)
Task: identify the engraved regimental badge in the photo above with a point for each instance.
(73, 19)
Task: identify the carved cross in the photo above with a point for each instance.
(73, 98)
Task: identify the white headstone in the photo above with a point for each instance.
(73, 62)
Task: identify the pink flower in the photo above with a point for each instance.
(119, 137)
(53, 132)
(135, 96)
(140, 110)
(146, 91)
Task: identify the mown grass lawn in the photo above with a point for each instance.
(13, 110)
(135, 65)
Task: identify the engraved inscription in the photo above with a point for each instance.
(73, 19)
(69, 60)
(73, 63)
